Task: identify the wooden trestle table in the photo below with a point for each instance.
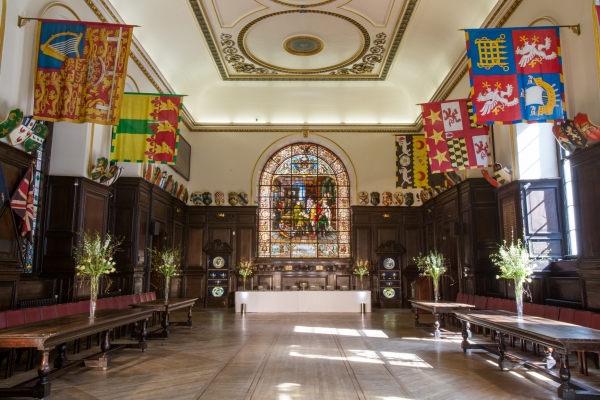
(438, 309)
(555, 336)
(55, 333)
(159, 306)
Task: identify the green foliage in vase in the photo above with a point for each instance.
(166, 262)
(245, 267)
(95, 256)
(514, 261)
(361, 268)
(432, 265)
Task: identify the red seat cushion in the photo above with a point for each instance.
(112, 303)
(145, 297)
(491, 303)
(137, 299)
(459, 298)
(528, 308)
(15, 317)
(481, 302)
(566, 315)
(583, 318)
(84, 306)
(152, 296)
(595, 321)
(552, 313)
(2, 319)
(539, 310)
(62, 310)
(48, 312)
(505, 304)
(32, 314)
(123, 301)
(470, 299)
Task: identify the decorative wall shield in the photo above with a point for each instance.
(424, 195)
(14, 119)
(219, 198)
(179, 191)
(207, 198)
(196, 198)
(409, 199)
(99, 168)
(175, 188)
(148, 173)
(23, 132)
(588, 129)
(363, 198)
(33, 142)
(375, 198)
(243, 198)
(169, 184)
(232, 198)
(184, 195)
(398, 199)
(386, 199)
(155, 175)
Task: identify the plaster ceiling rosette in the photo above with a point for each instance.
(303, 39)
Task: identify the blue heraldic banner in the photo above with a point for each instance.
(516, 75)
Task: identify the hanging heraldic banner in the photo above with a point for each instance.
(453, 141)
(80, 71)
(516, 75)
(148, 130)
(412, 168)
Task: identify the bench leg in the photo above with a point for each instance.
(61, 358)
(42, 387)
(565, 377)
(189, 321)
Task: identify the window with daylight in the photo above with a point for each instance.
(304, 204)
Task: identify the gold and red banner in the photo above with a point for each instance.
(148, 130)
(453, 141)
(80, 71)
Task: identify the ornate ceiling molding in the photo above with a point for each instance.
(242, 45)
(237, 61)
(307, 129)
(375, 56)
(406, 16)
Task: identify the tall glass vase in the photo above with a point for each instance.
(93, 295)
(436, 290)
(244, 279)
(519, 298)
(167, 288)
(361, 282)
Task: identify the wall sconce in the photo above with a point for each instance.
(319, 267)
(288, 268)
(221, 215)
(386, 215)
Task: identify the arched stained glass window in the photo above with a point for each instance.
(304, 204)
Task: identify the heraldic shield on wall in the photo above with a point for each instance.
(304, 205)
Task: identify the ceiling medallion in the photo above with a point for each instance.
(237, 61)
(321, 3)
(366, 67)
(303, 45)
(362, 51)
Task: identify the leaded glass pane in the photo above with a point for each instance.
(304, 204)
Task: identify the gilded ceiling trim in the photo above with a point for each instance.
(359, 54)
(407, 15)
(448, 87)
(366, 67)
(267, 128)
(283, 3)
(237, 61)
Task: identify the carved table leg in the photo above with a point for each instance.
(565, 377)
(549, 360)
(135, 330)
(142, 343)
(165, 324)
(417, 323)
(466, 334)
(437, 334)
(61, 358)
(42, 387)
(189, 321)
(503, 363)
(442, 321)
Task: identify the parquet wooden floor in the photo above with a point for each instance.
(302, 356)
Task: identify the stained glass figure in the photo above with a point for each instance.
(304, 204)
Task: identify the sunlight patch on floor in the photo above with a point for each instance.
(372, 357)
(341, 332)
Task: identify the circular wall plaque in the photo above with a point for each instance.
(303, 45)
(218, 291)
(387, 292)
(218, 262)
(389, 263)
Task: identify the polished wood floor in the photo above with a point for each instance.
(302, 356)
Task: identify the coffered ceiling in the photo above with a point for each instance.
(303, 62)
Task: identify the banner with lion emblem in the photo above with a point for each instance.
(453, 142)
(516, 75)
(148, 130)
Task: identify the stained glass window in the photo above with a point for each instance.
(304, 204)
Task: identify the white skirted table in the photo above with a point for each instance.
(303, 301)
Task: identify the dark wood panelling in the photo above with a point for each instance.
(194, 247)
(245, 242)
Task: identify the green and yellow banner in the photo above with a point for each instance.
(148, 130)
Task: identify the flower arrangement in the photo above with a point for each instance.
(361, 268)
(94, 259)
(245, 268)
(166, 262)
(434, 266)
(515, 263)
